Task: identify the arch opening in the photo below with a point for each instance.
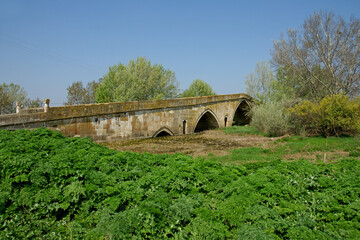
(163, 132)
(225, 121)
(206, 122)
(184, 127)
(241, 117)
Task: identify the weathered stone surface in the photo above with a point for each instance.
(138, 119)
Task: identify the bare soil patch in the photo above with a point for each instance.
(200, 144)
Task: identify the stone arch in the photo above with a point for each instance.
(163, 132)
(240, 115)
(206, 121)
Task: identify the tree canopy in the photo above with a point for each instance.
(198, 88)
(259, 83)
(322, 58)
(266, 86)
(139, 80)
(12, 93)
(78, 94)
(319, 62)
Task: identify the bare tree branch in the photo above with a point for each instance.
(323, 58)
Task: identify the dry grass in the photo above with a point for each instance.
(200, 144)
(240, 145)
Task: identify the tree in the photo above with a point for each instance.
(12, 93)
(90, 91)
(9, 95)
(266, 87)
(33, 103)
(323, 58)
(139, 80)
(78, 94)
(198, 88)
(273, 95)
(259, 83)
(75, 93)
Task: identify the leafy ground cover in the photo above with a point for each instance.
(53, 187)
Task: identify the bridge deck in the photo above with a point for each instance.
(135, 119)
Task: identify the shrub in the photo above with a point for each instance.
(270, 118)
(332, 116)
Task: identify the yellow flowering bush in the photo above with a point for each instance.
(332, 116)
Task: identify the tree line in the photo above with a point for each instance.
(312, 81)
(138, 80)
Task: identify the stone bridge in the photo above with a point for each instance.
(138, 119)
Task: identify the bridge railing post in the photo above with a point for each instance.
(47, 105)
(18, 107)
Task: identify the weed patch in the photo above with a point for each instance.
(53, 187)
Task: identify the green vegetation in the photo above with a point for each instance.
(136, 81)
(332, 116)
(242, 130)
(269, 115)
(78, 94)
(265, 86)
(305, 148)
(55, 187)
(270, 118)
(10, 94)
(248, 154)
(198, 88)
(310, 57)
(296, 144)
(306, 67)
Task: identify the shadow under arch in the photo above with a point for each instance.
(206, 121)
(241, 117)
(163, 132)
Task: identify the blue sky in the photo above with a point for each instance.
(46, 45)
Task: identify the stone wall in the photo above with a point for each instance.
(127, 120)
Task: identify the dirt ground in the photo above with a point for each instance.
(199, 144)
